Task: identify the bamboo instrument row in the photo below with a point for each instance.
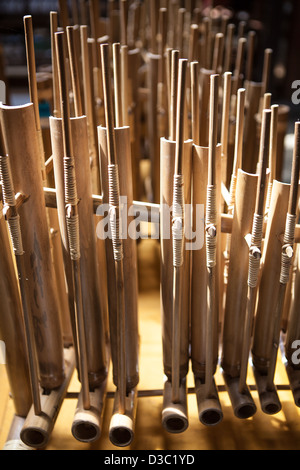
(174, 86)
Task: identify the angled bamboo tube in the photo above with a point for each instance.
(287, 254)
(262, 336)
(72, 222)
(12, 330)
(28, 181)
(33, 92)
(236, 296)
(37, 430)
(209, 409)
(255, 246)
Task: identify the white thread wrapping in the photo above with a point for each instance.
(70, 182)
(7, 182)
(73, 236)
(9, 200)
(178, 221)
(114, 211)
(288, 242)
(255, 250)
(211, 226)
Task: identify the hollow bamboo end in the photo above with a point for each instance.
(269, 400)
(121, 430)
(174, 415)
(209, 408)
(242, 403)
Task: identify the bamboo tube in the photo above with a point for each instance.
(153, 125)
(287, 253)
(71, 214)
(37, 430)
(193, 45)
(250, 55)
(92, 278)
(177, 230)
(250, 150)
(238, 65)
(236, 296)
(174, 416)
(122, 136)
(89, 109)
(33, 92)
(273, 152)
(225, 124)
(124, 6)
(94, 19)
(255, 245)
(11, 329)
(217, 64)
(204, 110)
(122, 427)
(228, 47)
(266, 71)
(74, 71)
(173, 98)
(13, 441)
(63, 13)
(28, 181)
(87, 424)
(117, 85)
(195, 107)
(209, 409)
(53, 29)
(262, 337)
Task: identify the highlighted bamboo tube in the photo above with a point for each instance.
(11, 329)
(37, 430)
(37, 258)
(209, 408)
(271, 262)
(93, 278)
(243, 404)
(122, 137)
(167, 171)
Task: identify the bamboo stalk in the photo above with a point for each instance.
(72, 217)
(74, 71)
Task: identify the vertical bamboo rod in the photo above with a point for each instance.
(74, 71)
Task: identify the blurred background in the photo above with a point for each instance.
(274, 21)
